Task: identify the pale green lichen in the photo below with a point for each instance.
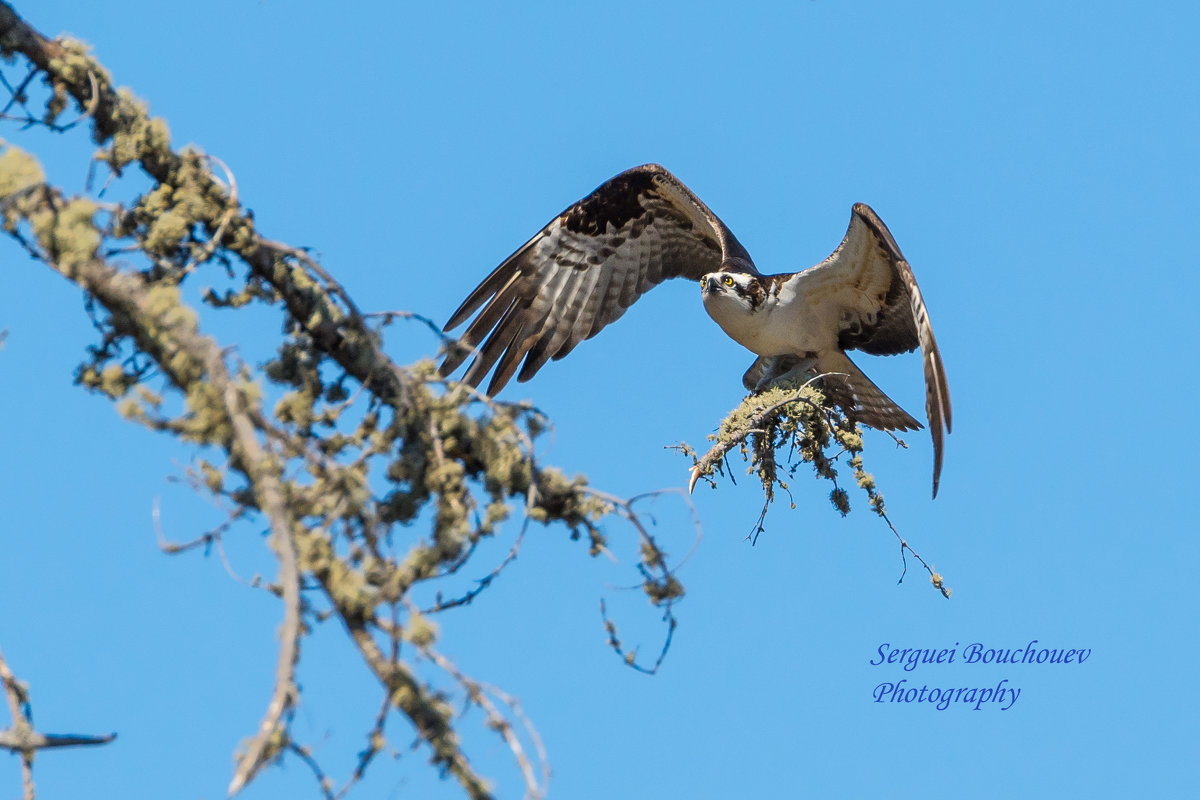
(18, 171)
(135, 135)
(74, 63)
(792, 418)
(421, 630)
(166, 232)
(69, 234)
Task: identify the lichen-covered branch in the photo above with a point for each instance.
(376, 481)
(793, 417)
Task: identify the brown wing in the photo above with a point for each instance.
(882, 312)
(584, 269)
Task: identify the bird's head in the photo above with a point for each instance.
(728, 290)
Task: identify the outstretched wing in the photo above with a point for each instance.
(584, 269)
(881, 310)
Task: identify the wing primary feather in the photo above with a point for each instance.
(494, 311)
(937, 407)
(499, 279)
(546, 313)
(933, 409)
(943, 387)
(541, 351)
(495, 344)
(937, 388)
(518, 345)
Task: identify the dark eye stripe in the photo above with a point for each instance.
(752, 291)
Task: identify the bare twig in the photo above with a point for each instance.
(478, 693)
(483, 583)
(660, 583)
(20, 737)
(375, 744)
(305, 755)
(934, 577)
(629, 657)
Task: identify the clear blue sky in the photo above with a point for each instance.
(1036, 162)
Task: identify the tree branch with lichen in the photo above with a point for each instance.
(338, 451)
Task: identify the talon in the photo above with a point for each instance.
(695, 477)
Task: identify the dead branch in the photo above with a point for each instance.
(20, 737)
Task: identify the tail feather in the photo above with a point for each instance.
(847, 386)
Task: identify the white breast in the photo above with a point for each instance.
(784, 324)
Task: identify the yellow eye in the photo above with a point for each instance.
(728, 281)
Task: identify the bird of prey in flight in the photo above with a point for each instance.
(595, 259)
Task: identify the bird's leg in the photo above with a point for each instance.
(801, 371)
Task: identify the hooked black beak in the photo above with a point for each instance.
(709, 283)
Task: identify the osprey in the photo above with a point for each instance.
(594, 260)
